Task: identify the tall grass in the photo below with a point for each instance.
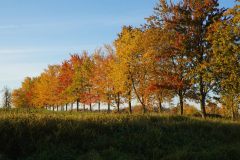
(37, 134)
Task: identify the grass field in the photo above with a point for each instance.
(35, 135)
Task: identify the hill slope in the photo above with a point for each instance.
(50, 136)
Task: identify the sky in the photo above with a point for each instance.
(36, 33)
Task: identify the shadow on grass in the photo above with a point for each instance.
(119, 137)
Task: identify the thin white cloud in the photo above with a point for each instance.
(4, 27)
(18, 71)
(46, 50)
(103, 21)
(19, 50)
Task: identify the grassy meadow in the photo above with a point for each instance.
(45, 135)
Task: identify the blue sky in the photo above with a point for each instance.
(35, 33)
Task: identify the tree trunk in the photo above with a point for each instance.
(99, 105)
(160, 105)
(202, 98)
(84, 107)
(6, 102)
(90, 106)
(71, 106)
(78, 104)
(180, 94)
(118, 102)
(232, 109)
(143, 105)
(144, 108)
(203, 107)
(159, 95)
(66, 107)
(140, 99)
(233, 114)
(109, 107)
(130, 102)
(130, 106)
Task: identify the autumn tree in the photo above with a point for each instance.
(169, 43)
(115, 71)
(121, 78)
(189, 21)
(163, 79)
(86, 74)
(76, 87)
(23, 97)
(133, 63)
(204, 13)
(80, 88)
(46, 88)
(224, 36)
(65, 80)
(106, 81)
(105, 77)
(98, 77)
(18, 98)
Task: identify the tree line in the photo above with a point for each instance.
(189, 50)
